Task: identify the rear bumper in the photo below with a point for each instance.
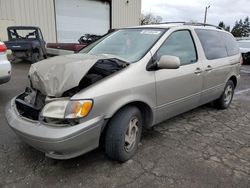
(56, 142)
(5, 71)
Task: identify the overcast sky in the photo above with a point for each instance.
(186, 10)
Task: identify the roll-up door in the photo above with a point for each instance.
(75, 18)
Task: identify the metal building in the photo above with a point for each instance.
(67, 20)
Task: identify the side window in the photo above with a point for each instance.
(212, 44)
(180, 44)
(231, 44)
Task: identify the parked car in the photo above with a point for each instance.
(5, 67)
(26, 42)
(245, 50)
(60, 48)
(131, 79)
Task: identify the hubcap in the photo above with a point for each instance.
(131, 134)
(228, 94)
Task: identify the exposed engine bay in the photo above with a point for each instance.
(30, 103)
(101, 69)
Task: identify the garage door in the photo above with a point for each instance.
(75, 18)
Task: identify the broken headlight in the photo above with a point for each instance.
(64, 109)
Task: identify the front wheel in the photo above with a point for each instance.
(123, 134)
(227, 96)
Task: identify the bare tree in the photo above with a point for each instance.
(149, 18)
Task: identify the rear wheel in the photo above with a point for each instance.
(36, 56)
(123, 134)
(227, 96)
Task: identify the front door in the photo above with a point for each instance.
(178, 90)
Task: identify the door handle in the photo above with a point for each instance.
(209, 68)
(197, 70)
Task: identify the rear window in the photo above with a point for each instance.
(231, 44)
(212, 44)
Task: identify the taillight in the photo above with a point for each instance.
(241, 60)
(3, 48)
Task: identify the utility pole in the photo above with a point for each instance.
(205, 17)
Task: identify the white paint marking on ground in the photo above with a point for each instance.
(242, 91)
(245, 71)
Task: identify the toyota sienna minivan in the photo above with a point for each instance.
(132, 78)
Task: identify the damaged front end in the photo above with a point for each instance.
(30, 103)
(54, 82)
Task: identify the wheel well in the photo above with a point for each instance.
(35, 50)
(147, 117)
(234, 79)
(147, 114)
(145, 109)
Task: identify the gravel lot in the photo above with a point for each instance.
(202, 148)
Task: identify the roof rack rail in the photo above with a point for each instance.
(202, 24)
(194, 24)
(173, 22)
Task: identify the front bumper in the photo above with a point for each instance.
(56, 142)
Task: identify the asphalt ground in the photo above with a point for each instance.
(201, 148)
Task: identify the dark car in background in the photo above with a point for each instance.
(60, 48)
(26, 42)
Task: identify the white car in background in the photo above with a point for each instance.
(245, 50)
(5, 66)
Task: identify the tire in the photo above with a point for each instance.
(226, 98)
(119, 144)
(36, 56)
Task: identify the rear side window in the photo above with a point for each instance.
(212, 44)
(180, 44)
(231, 44)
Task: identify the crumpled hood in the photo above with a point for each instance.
(54, 76)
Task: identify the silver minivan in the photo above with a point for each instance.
(130, 79)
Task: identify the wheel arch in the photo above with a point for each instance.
(145, 109)
(234, 80)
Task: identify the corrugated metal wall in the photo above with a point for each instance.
(125, 13)
(28, 12)
(42, 13)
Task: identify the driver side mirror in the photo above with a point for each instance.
(169, 62)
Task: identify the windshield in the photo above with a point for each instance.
(245, 44)
(128, 44)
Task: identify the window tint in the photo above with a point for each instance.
(212, 44)
(180, 44)
(231, 44)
